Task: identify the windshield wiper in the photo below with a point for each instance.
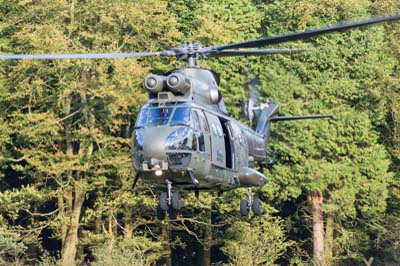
(180, 124)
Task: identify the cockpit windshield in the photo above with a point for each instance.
(159, 116)
(181, 117)
(155, 115)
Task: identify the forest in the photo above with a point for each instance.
(66, 173)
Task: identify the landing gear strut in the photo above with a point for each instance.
(247, 204)
(170, 202)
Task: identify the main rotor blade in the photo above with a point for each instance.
(257, 52)
(83, 56)
(306, 34)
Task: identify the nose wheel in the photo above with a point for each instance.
(169, 203)
(248, 204)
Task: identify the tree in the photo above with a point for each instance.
(329, 161)
(69, 120)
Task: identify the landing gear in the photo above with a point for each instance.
(163, 202)
(172, 213)
(244, 207)
(176, 201)
(170, 202)
(247, 204)
(160, 213)
(257, 209)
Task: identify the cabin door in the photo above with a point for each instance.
(217, 140)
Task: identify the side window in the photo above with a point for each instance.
(199, 131)
(203, 121)
(196, 122)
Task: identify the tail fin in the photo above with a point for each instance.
(263, 124)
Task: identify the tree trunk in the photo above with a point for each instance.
(112, 227)
(71, 241)
(61, 213)
(98, 222)
(206, 256)
(128, 226)
(208, 241)
(66, 197)
(166, 242)
(329, 240)
(315, 199)
(75, 196)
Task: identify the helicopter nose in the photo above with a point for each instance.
(154, 147)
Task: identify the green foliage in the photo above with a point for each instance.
(48, 260)
(11, 248)
(225, 22)
(13, 202)
(261, 242)
(138, 251)
(341, 158)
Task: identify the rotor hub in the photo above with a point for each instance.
(188, 49)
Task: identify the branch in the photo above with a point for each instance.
(70, 115)
(42, 214)
(141, 221)
(28, 232)
(190, 232)
(16, 160)
(199, 222)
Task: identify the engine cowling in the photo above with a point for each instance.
(154, 83)
(178, 83)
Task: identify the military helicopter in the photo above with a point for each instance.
(184, 138)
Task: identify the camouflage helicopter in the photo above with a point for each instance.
(184, 138)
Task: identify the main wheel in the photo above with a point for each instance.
(244, 207)
(257, 208)
(172, 213)
(160, 213)
(176, 201)
(163, 201)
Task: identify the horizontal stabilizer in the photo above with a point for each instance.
(251, 177)
(299, 117)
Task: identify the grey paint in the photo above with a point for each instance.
(208, 166)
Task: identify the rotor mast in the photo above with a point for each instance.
(190, 51)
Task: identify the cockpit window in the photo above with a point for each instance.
(181, 117)
(159, 116)
(142, 118)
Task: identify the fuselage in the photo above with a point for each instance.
(194, 143)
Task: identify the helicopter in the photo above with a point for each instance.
(185, 140)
